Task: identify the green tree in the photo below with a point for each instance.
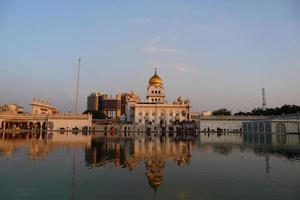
(96, 114)
(222, 111)
(285, 109)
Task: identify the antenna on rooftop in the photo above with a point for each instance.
(264, 102)
(77, 88)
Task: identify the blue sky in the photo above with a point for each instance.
(217, 53)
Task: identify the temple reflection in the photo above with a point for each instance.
(153, 153)
(131, 153)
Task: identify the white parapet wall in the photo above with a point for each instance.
(226, 123)
(69, 122)
(44, 121)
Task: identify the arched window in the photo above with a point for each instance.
(261, 128)
(250, 128)
(255, 128)
(268, 127)
(280, 128)
(245, 128)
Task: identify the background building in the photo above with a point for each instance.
(127, 100)
(110, 106)
(11, 108)
(93, 101)
(43, 107)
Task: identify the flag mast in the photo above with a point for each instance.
(77, 88)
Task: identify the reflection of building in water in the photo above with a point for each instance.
(221, 143)
(259, 135)
(131, 152)
(39, 148)
(155, 172)
(106, 151)
(228, 138)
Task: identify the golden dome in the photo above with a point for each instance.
(156, 80)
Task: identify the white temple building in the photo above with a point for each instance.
(156, 110)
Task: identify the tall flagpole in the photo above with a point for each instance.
(77, 89)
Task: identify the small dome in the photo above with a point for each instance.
(155, 80)
(179, 99)
(187, 101)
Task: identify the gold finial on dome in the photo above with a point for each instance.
(155, 79)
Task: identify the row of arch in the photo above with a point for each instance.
(264, 128)
(24, 125)
(156, 92)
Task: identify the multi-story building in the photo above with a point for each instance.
(110, 106)
(93, 101)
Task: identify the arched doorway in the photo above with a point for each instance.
(255, 128)
(30, 126)
(261, 128)
(44, 126)
(250, 128)
(280, 128)
(268, 128)
(125, 131)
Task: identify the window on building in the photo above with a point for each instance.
(155, 92)
(170, 113)
(140, 121)
(158, 92)
(140, 113)
(147, 114)
(153, 113)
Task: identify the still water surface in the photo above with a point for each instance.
(211, 166)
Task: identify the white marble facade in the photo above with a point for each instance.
(156, 110)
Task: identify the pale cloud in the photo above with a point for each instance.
(182, 67)
(169, 50)
(154, 47)
(144, 20)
